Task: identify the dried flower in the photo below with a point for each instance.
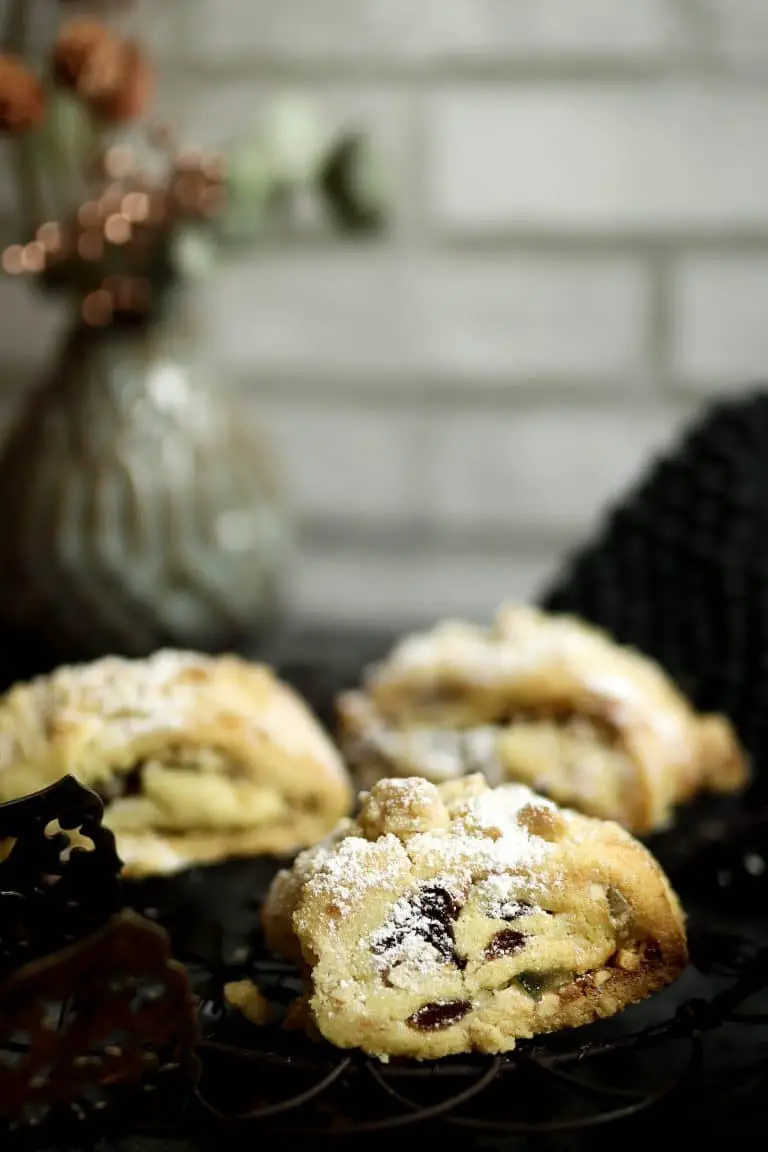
(22, 103)
(77, 44)
(110, 75)
(131, 90)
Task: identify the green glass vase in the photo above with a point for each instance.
(139, 505)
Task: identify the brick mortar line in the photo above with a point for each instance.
(415, 391)
(426, 240)
(409, 539)
(418, 238)
(340, 71)
(316, 623)
(679, 386)
(387, 628)
(661, 321)
(675, 389)
(497, 244)
(678, 242)
(424, 392)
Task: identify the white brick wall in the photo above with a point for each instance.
(660, 157)
(578, 259)
(720, 322)
(392, 590)
(550, 467)
(403, 31)
(447, 320)
(343, 462)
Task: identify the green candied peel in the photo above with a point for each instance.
(537, 983)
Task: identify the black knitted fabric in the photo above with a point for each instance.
(680, 568)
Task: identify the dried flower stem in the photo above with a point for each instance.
(15, 31)
(28, 191)
(31, 201)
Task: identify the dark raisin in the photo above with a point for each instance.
(652, 952)
(121, 784)
(438, 904)
(505, 943)
(439, 1014)
(132, 781)
(434, 911)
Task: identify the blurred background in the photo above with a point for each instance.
(574, 260)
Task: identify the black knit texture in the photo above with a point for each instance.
(679, 568)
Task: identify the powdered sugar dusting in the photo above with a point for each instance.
(524, 641)
(437, 753)
(519, 639)
(406, 962)
(499, 895)
(356, 866)
(505, 804)
(137, 697)
(430, 873)
(485, 836)
(407, 788)
(415, 941)
(115, 701)
(484, 844)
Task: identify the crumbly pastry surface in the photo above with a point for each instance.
(545, 700)
(197, 758)
(247, 998)
(455, 917)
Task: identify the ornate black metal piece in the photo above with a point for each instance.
(59, 872)
(103, 1014)
(91, 1004)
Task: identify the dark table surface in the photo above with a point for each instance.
(713, 859)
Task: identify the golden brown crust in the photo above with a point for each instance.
(458, 918)
(549, 701)
(247, 998)
(198, 758)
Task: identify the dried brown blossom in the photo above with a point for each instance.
(73, 53)
(111, 75)
(131, 91)
(22, 102)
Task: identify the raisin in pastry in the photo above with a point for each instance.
(455, 918)
(545, 700)
(197, 758)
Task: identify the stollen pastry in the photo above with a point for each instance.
(545, 700)
(455, 918)
(197, 758)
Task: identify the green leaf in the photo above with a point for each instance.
(294, 139)
(193, 254)
(249, 187)
(353, 185)
(66, 139)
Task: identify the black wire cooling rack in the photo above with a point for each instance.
(653, 1057)
(696, 1050)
